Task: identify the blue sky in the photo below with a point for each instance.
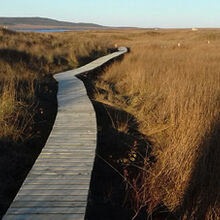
(140, 13)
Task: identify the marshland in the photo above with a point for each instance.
(165, 99)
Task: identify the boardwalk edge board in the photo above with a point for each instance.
(58, 183)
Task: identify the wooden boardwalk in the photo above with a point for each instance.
(57, 186)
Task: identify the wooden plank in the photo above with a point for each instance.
(60, 169)
(71, 150)
(86, 136)
(64, 164)
(75, 128)
(75, 132)
(52, 181)
(57, 186)
(74, 141)
(61, 180)
(54, 192)
(61, 172)
(48, 210)
(60, 176)
(64, 160)
(70, 145)
(46, 216)
(67, 155)
(22, 204)
(77, 198)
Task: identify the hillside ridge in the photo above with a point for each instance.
(15, 21)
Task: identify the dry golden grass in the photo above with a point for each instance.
(14, 115)
(48, 53)
(171, 83)
(27, 57)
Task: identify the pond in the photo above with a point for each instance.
(47, 30)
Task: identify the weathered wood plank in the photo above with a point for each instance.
(47, 210)
(69, 146)
(66, 155)
(55, 192)
(57, 186)
(23, 204)
(58, 198)
(44, 216)
(60, 169)
(64, 164)
(57, 158)
(64, 151)
(52, 181)
(61, 172)
(60, 176)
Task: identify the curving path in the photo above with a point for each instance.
(57, 185)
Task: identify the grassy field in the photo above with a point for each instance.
(170, 82)
(27, 57)
(28, 102)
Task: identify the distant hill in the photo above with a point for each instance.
(32, 22)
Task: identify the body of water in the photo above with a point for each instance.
(49, 30)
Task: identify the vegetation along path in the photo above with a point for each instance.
(57, 185)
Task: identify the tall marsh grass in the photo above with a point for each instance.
(171, 83)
